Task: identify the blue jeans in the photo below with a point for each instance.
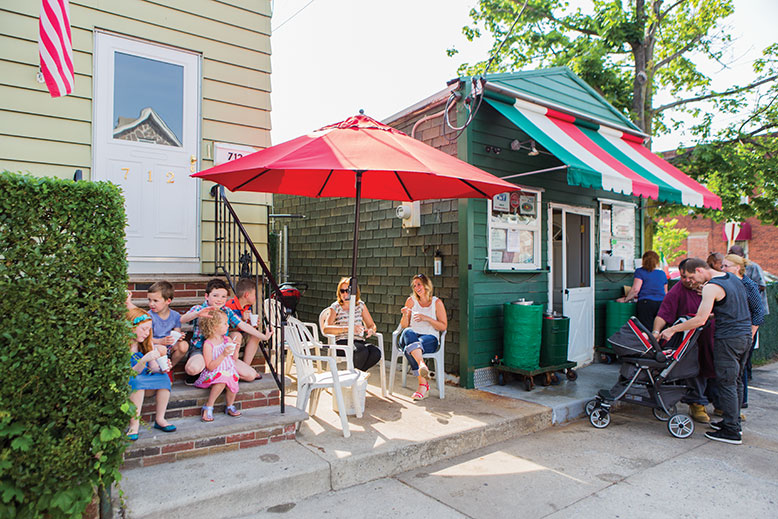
(410, 340)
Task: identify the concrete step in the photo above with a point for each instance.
(187, 401)
(228, 484)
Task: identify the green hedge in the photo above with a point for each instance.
(63, 343)
(768, 332)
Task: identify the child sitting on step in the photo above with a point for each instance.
(220, 370)
(148, 375)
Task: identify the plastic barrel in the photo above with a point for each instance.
(616, 315)
(553, 347)
(521, 339)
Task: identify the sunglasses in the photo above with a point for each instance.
(344, 290)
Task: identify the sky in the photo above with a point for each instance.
(331, 58)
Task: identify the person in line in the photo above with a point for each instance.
(164, 321)
(684, 299)
(216, 293)
(737, 265)
(219, 372)
(245, 298)
(725, 294)
(714, 260)
(148, 376)
(648, 287)
(365, 355)
(423, 318)
(755, 273)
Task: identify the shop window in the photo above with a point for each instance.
(514, 231)
(617, 236)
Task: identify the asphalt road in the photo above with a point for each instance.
(633, 468)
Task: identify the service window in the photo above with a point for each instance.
(514, 231)
(617, 236)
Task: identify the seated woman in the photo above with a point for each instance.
(365, 355)
(649, 287)
(423, 318)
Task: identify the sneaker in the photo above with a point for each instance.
(717, 426)
(698, 413)
(190, 380)
(725, 436)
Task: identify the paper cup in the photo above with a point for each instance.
(176, 336)
(163, 363)
(254, 318)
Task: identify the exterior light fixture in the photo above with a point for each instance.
(437, 266)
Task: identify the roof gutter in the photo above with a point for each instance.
(514, 94)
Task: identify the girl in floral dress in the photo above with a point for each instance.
(220, 369)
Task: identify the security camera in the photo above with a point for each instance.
(403, 212)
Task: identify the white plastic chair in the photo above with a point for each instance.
(323, 316)
(438, 356)
(273, 307)
(310, 382)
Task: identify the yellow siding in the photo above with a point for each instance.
(52, 137)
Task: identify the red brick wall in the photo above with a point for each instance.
(706, 236)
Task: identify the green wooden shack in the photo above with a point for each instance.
(566, 238)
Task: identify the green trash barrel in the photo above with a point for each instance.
(553, 346)
(521, 336)
(616, 315)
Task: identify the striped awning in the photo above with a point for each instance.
(600, 157)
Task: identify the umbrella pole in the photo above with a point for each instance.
(353, 287)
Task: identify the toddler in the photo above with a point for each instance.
(219, 369)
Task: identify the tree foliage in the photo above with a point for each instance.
(633, 51)
(668, 239)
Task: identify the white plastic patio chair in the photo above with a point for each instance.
(310, 382)
(323, 316)
(438, 356)
(273, 313)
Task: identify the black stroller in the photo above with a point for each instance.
(651, 375)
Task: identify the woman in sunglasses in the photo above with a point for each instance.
(365, 355)
(423, 318)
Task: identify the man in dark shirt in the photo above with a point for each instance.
(725, 295)
(684, 299)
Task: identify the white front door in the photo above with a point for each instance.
(145, 139)
(571, 280)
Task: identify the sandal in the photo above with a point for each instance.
(418, 395)
(232, 411)
(424, 372)
(207, 415)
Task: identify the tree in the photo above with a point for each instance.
(632, 50)
(669, 238)
(627, 52)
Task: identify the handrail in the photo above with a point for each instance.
(236, 256)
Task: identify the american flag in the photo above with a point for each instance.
(55, 48)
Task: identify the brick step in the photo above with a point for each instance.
(187, 287)
(256, 427)
(186, 401)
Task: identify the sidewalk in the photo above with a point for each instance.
(395, 435)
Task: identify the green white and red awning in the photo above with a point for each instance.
(602, 157)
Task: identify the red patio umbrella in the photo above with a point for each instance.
(355, 158)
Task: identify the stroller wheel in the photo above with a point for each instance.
(589, 407)
(571, 375)
(600, 418)
(680, 425)
(660, 414)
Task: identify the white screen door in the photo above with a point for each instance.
(146, 134)
(571, 280)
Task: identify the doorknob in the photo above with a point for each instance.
(192, 163)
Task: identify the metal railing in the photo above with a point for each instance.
(236, 257)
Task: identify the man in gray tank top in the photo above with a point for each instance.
(724, 295)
